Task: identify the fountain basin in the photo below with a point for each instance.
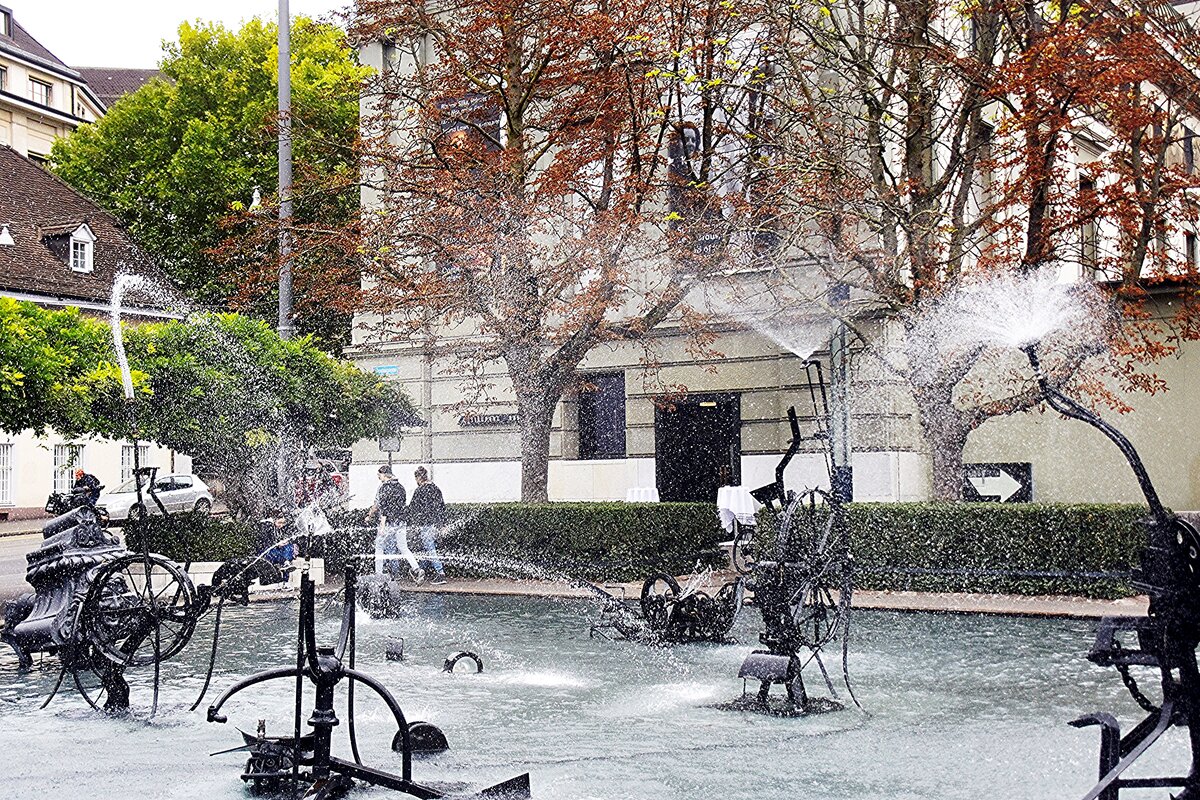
(960, 706)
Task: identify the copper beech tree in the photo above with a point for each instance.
(927, 144)
(546, 176)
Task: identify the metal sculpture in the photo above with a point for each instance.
(802, 580)
(1165, 638)
(103, 609)
(668, 613)
(302, 765)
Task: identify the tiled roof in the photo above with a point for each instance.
(21, 40)
(38, 208)
(112, 83)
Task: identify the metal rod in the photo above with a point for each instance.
(285, 171)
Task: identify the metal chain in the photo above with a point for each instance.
(1134, 691)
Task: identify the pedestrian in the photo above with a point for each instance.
(89, 484)
(392, 536)
(427, 513)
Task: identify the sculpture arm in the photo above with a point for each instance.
(245, 683)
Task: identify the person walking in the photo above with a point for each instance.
(427, 512)
(392, 537)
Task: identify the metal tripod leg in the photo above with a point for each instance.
(1110, 746)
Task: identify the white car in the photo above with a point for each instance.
(178, 493)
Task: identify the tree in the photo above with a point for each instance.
(930, 144)
(557, 175)
(175, 159)
(223, 388)
(44, 358)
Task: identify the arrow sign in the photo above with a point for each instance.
(1010, 482)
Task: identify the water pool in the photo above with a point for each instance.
(959, 707)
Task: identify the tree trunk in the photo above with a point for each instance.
(535, 413)
(946, 429)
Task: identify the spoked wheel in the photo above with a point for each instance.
(139, 610)
(659, 592)
(807, 533)
(744, 553)
(100, 682)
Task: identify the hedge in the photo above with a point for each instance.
(975, 547)
(994, 547)
(594, 541)
(193, 537)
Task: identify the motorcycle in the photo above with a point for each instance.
(59, 503)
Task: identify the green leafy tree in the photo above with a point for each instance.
(223, 388)
(180, 156)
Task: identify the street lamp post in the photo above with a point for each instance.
(285, 171)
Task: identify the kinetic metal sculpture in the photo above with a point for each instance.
(1166, 638)
(672, 614)
(303, 765)
(802, 581)
(102, 608)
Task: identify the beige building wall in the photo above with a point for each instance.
(29, 125)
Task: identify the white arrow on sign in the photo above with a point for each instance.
(1003, 485)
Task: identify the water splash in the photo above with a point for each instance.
(126, 283)
(788, 313)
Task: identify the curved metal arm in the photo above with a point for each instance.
(1069, 408)
(397, 713)
(246, 683)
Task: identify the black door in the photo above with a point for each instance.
(697, 447)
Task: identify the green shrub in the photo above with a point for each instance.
(993, 547)
(193, 537)
(595, 541)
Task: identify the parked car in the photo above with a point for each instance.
(178, 494)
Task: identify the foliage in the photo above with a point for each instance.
(44, 358)
(982, 547)
(222, 387)
(193, 537)
(558, 177)
(930, 143)
(173, 159)
(593, 541)
(229, 392)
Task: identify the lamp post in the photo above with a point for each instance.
(285, 171)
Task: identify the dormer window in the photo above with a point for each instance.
(5, 22)
(83, 243)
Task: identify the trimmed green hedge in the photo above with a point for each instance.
(193, 537)
(977, 547)
(595, 541)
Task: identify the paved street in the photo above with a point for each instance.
(12, 563)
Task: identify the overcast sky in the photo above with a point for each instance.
(129, 33)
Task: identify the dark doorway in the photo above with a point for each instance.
(697, 447)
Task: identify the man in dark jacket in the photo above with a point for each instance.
(392, 537)
(90, 485)
(427, 513)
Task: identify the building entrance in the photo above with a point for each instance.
(697, 447)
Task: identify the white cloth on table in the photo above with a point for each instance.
(641, 494)
(735, 503)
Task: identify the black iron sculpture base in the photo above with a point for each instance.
(304, 766)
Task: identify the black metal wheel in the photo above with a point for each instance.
(744, 550)
(659, 593)
(139, 610)
(815, 614)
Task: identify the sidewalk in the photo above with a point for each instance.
(20, 527)
(1012, 605)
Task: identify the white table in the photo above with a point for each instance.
(735, 503)
(642, 494)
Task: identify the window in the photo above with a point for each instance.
(82, 244)
(3, 78)
(127, 459)
(602, 416)
(5, 23)
(1189, 150)
(1189, 249)
(40, 92)
(1089, 245)
(67, 458)
(6, 477)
